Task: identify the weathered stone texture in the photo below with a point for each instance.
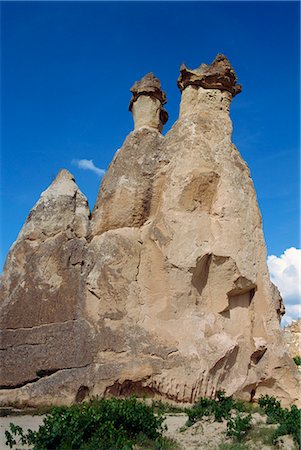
(126, 194)
(217, 75)
(165, 290)
(292, 337)
(147, 103)
(42, 289)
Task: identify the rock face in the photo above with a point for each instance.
(164, 290)
(42, 310)
(292, 337)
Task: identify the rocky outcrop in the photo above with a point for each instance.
(292, 337)
(42, 310)
(165, 290)
(217, 75)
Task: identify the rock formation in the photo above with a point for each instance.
(147, 103)
(164, 290)
(292, 337)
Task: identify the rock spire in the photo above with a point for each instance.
(147, 103)
(164, 289)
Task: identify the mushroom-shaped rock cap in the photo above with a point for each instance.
(148, 85)
(217, 75)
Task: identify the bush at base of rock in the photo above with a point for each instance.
(103, 424)
(289, 420)
(117, 424)
(238, 426)
(219, 408)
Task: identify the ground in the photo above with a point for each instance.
(205, 434)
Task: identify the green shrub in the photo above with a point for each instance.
(272, 408)
(238, 426)
(290, 424)
(103, 424)
(219, 408)
(288, 420)
(223, 405)
(297, 360)
(202, 408)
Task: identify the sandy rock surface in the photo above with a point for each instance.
(292, 337)
(163, 290)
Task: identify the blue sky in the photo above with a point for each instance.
(66, 72)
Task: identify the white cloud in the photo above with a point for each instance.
(292, 312)
(88, 164)
(285, 273)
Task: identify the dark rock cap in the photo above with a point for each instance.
(148, 85)
(217, 75)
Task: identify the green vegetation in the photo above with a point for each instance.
(235, 446)
(103, 424)
(239, 426)
(289, 420)
(219, 408)
(167, 408)
(117, 424)
(239, 422)
(272, 408)
(297, 360)
(262, 434)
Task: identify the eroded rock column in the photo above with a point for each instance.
(147, 103)
(126, 196)
(208, 87)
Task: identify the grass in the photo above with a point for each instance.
(164, 443)
(262, 434)
(233, 446)
(161, 407)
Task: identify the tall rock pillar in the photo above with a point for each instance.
(147, 103)
(209, 87)
(125, 195)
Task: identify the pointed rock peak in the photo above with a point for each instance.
(148, 85)
(62, 206)
(64, 174)
(63, 184)
(217, 75)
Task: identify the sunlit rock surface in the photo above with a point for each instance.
(164, 290)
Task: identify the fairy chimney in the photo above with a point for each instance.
(164, 289)
(147, 103)
(208, 87)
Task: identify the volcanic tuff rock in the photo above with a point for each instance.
(292, 337)
(164, 290)
(147, 103)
